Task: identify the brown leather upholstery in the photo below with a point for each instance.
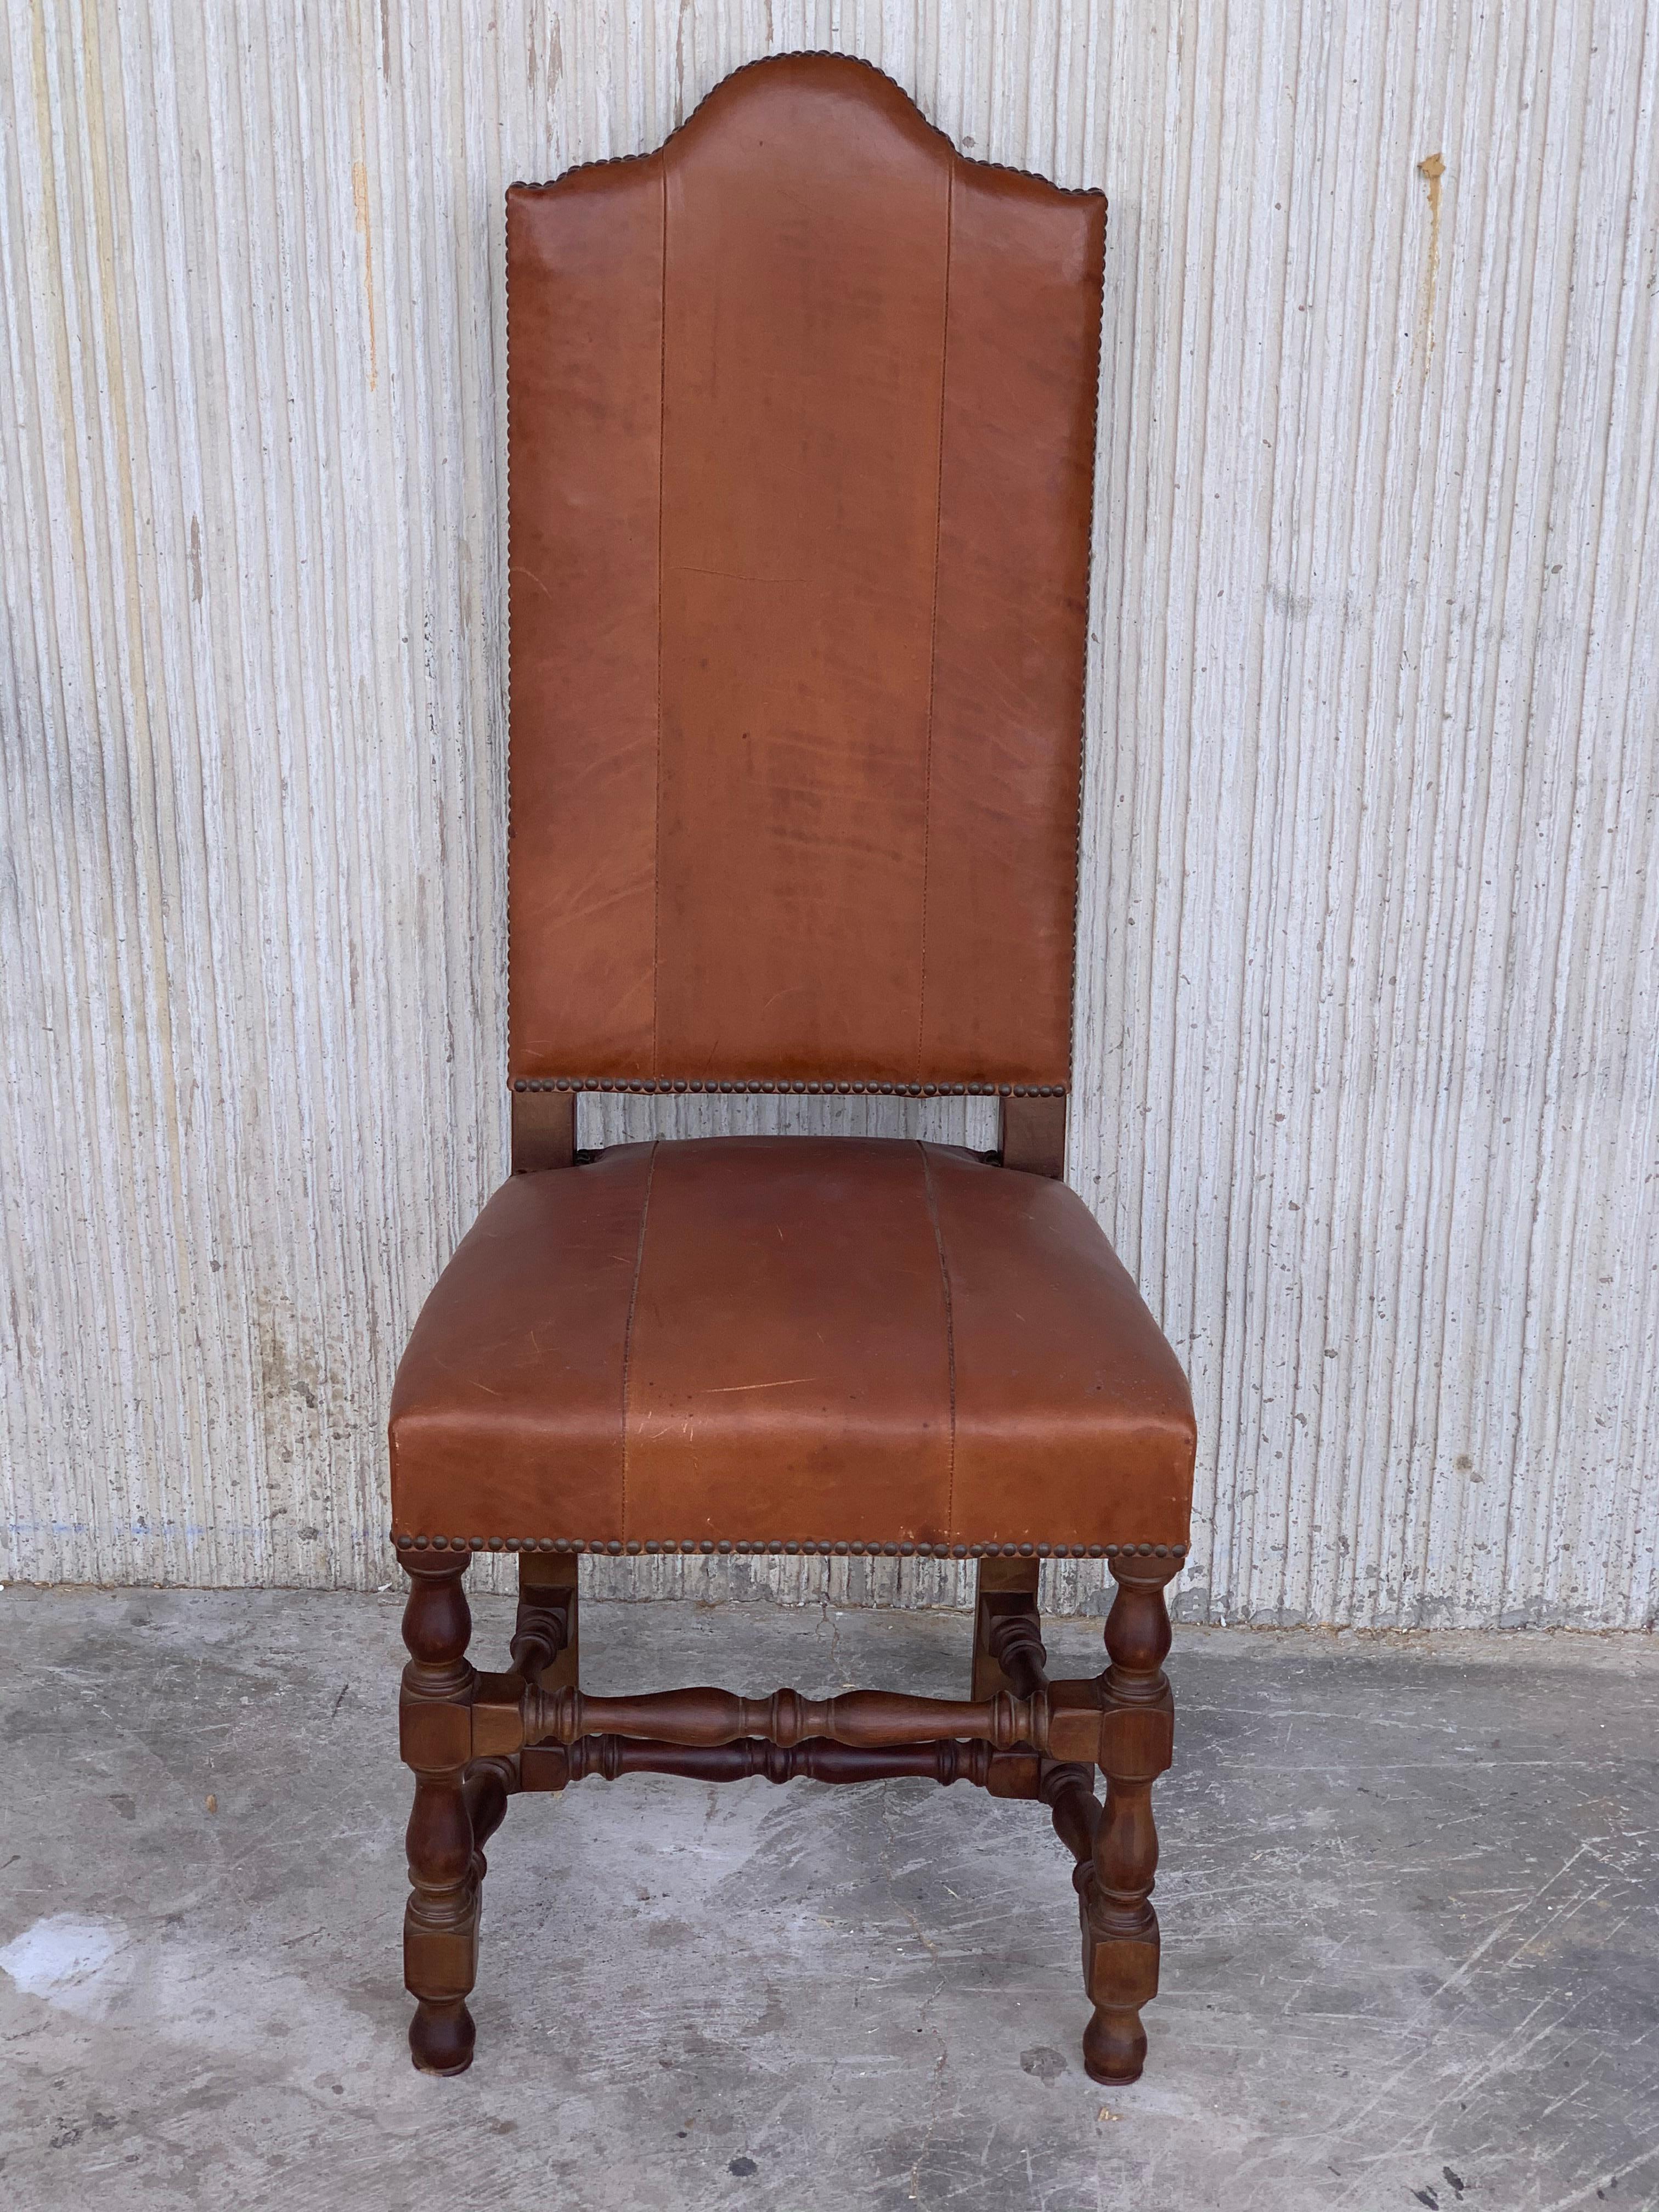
(801, 432)
(790, 1339)
(801, 417)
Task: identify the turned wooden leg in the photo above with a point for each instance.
(440, 1922)
(1000, 1582)
(1120, 1927)
(545, 1639)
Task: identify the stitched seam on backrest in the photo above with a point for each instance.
(932, 627)
(950, 1332)
(656, 827)
(628, 1329)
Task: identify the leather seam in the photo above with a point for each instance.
(662, 441)
(950, 1328)
(932, 624)
(628, 1331)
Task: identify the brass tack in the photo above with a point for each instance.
(1145, 1550)
(890, 1550)
(404, 1542)
(1179, 1551)
(1025, 1551)
(1094, 1550)
(959, 1551)
(857, 1548)
(519, 1084)
(906, 1550)
(420, 1543)
(790, 1549)
(1043, 1551)
(1111, 1551)
(632, 1545)
(840, 1551)
(1160, 1551)
(440, 1543)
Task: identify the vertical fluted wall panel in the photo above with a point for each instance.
(1368, 999)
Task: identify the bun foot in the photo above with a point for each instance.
(1114, 2046)
(441, 2037)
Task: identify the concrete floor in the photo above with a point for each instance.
(1409, 1899)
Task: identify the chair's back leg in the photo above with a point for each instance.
(997, 1578)
(1120, 1927)
(440, 1922)
(546, 1643)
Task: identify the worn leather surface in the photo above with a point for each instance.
(792, 1339)
(801, 432)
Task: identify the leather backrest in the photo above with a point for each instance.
(801, 439)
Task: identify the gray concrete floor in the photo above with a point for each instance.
(1408, 1892)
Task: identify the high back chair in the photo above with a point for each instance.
(801, 437)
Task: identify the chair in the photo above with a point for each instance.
(801, 437)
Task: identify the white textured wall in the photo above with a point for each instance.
(1369, 1003)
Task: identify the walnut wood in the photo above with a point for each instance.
(543, 1130)
(441, 1921)
(816, 1759)
(486, 1786)
(541, 1630)
(475, 1740)
(1067, 1789)
(1033, 1136)
(1120, 1927)
(1013, 1631)
(998, 1578)
(548, 1581)
(866, 1719)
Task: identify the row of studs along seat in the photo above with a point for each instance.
(614, 1548)
(806, 1090)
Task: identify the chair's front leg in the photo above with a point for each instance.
(1120, 1927)
(440, 1922)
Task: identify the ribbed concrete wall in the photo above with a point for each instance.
(1369, 1003)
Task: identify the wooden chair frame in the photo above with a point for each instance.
(474, 1740)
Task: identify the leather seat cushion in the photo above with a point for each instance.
(800, 1339)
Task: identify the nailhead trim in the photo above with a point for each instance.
(796, 1090)
(776, 1546)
